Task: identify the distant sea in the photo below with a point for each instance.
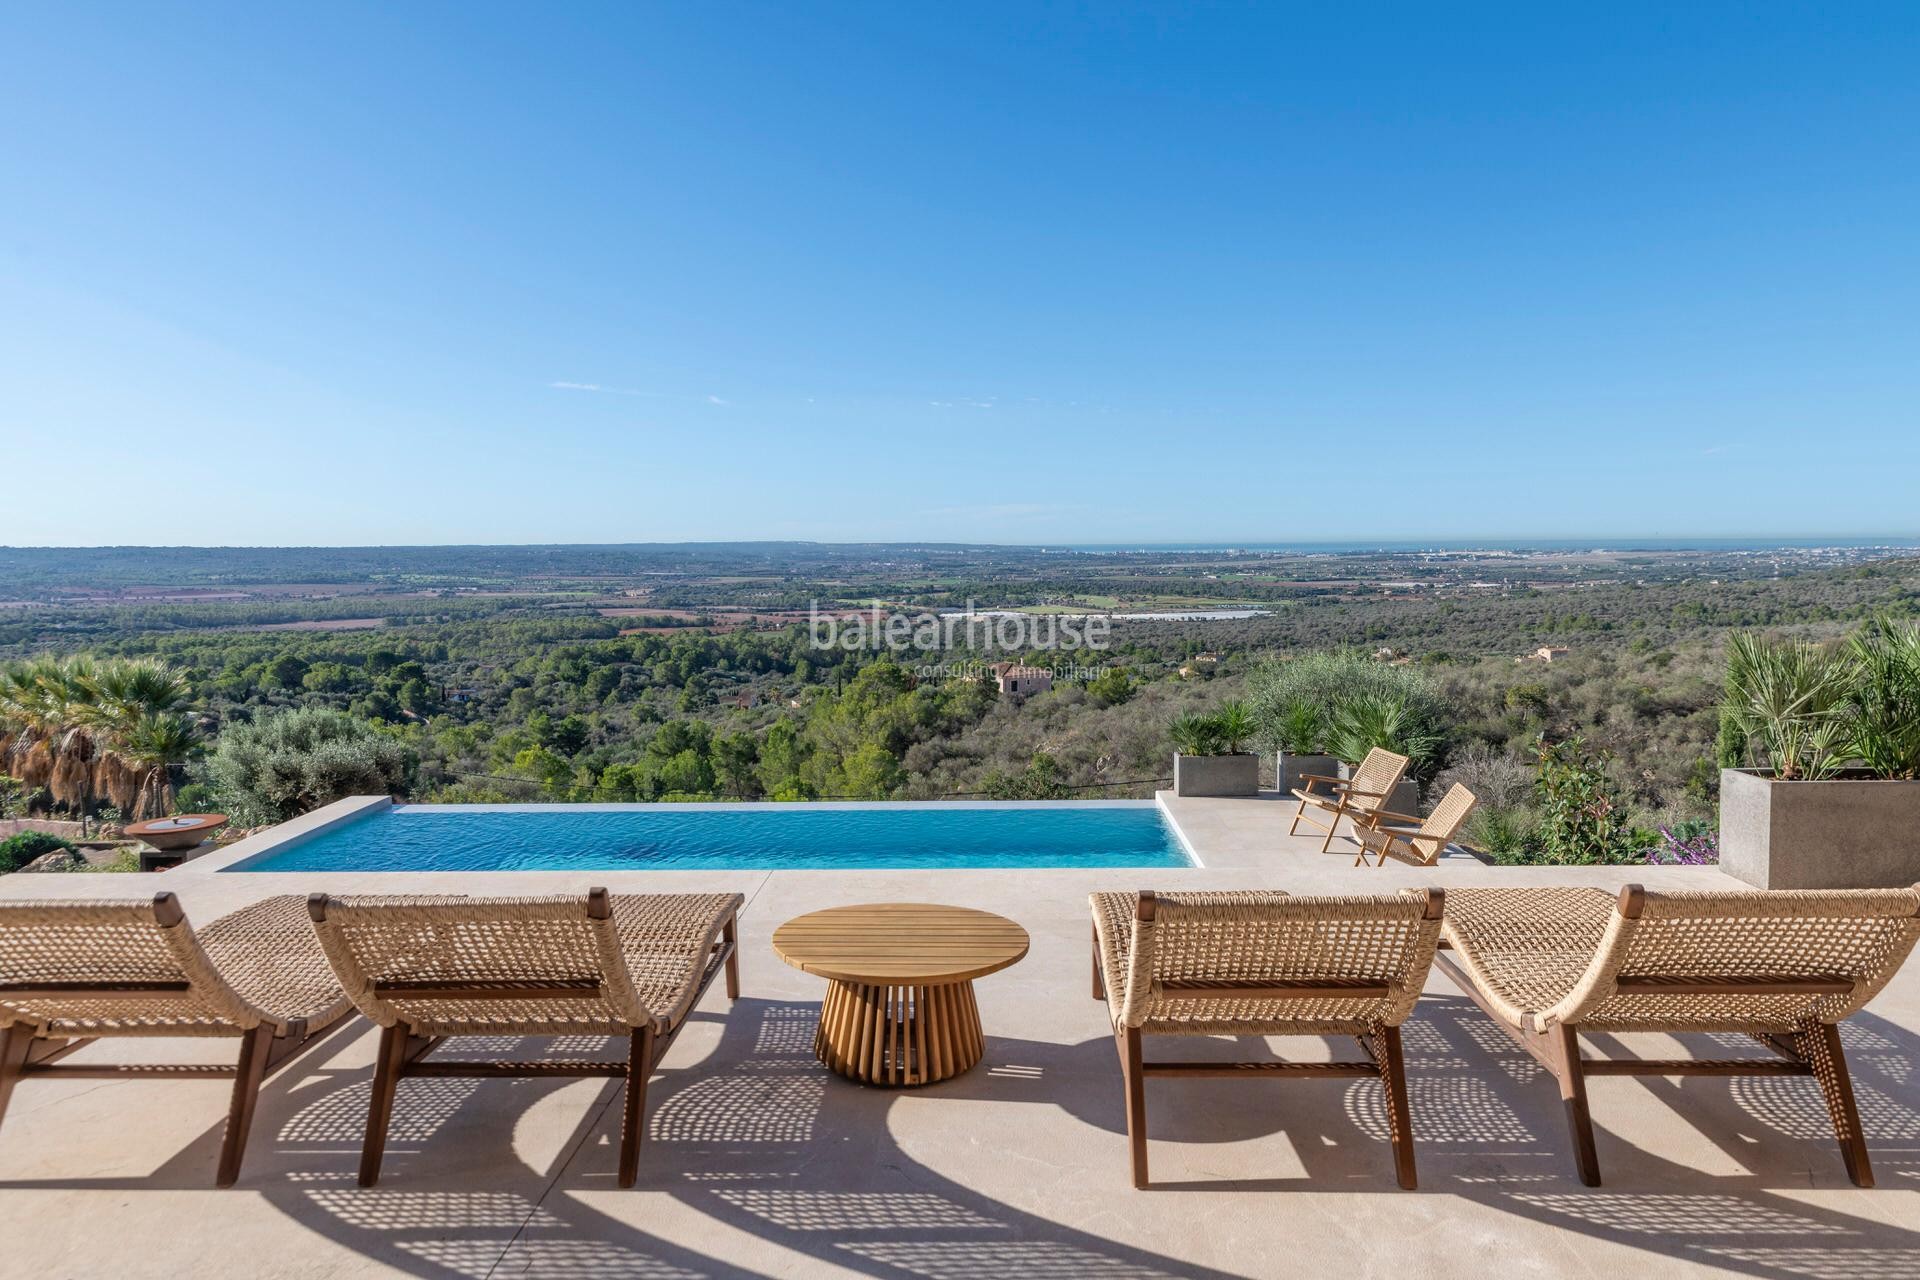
(1503, 544)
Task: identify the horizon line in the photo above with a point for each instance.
(1463, 542)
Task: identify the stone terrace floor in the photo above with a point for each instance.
(760, 1163)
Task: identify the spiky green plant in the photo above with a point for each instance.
(1299, 728)
(1885, 699)
(1786, 705)
(1372, 720)
(1234, 723)
(1195, 734)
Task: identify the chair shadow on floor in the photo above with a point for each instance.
(755, 1134)
(747, 1130)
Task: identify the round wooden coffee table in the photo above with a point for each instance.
(899, 1007)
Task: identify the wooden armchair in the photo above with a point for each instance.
(1353, 798)
(1420, 841)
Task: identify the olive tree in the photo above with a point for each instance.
(281, 766)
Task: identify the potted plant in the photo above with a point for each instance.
(1362, 723)
(1820, 787)
(1305, 707)
(1210, 756)
(1298, 732)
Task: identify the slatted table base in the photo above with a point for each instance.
(902, 1036)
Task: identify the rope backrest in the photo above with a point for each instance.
(61, 963)
(1445, 821)
(1378, 774)
(1660, 947)
(448, 965)
(1267, 941)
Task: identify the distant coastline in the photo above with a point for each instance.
(1420, 546)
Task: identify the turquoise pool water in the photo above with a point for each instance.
(735, 838)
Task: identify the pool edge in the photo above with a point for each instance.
(297, 831)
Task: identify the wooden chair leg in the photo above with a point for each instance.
(1820, 1046)
(1333, 825)
(1298, 814)
(14, 1043)
(730, 938)
(255, 1047)
(1563, 1044)
(633, 1117)
(1135, 1080)
(1099, 987)
(386, 1080)
(1385, 1048)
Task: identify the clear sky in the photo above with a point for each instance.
(345, 273)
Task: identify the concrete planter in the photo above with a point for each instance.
(1847, 833)
(1406, 792)
(1290, 770)
(1235, 775)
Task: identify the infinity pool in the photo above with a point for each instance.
(735, 837)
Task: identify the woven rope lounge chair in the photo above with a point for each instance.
(75, 972)
(1263, 964)
(429, 968)
(1353, 798)
(1420, 841)
(1783, 966)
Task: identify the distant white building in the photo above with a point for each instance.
(1545, 653)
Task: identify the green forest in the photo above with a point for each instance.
(538, 696)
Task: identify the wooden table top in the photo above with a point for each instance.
(900, 943)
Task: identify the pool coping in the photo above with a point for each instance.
(299, 830)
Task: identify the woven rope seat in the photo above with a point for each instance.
(257, 965)
(643, 965)
(1246, 936)
(1546, 955)
(269, 955)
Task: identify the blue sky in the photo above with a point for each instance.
(465, 273)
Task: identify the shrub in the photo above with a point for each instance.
(1225, 731)
(1039, 781)
(1111, 687)
(1804, 711)
(1498, 779)
(1297, 705)
(18, 850)
(1507, 835)
(1583, 819)
(1298, 727)
(284, 765)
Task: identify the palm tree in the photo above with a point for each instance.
(82, 729)
(42, 702)
(133, 705)
(153, 745)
